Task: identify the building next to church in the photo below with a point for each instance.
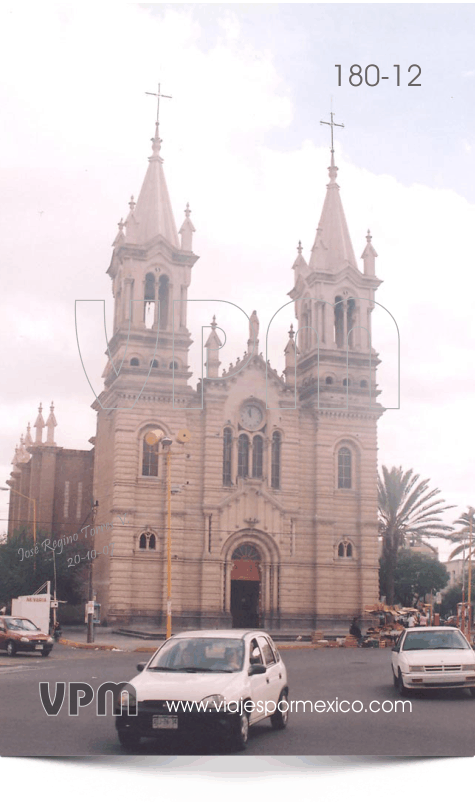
(275, 521)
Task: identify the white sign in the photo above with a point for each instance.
(89, 608)
(35, 607)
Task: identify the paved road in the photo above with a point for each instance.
(441, 723)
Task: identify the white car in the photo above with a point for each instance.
(433, 658)
(215, 681)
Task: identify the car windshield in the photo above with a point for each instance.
(435, 640)
(20, 624)
(199, 655)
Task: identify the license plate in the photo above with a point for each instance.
(39, 647)
(162, 722)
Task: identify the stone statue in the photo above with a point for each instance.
(253, 326)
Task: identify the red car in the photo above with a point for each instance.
(18, 634)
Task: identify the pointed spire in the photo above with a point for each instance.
(120, 237)
(332, 249)
(300, 263)
(153, 213)
(28, 438)
(290, 352)
(212, 345)
(23, 455)
(39, 426)
(187, 230)
(16, 456)
(368, 256)
(51, 423)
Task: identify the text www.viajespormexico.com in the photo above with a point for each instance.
(269, 707)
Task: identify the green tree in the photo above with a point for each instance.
(21, 574)
(453, 596)
(407, 511)
(416, 575)
(462, 536)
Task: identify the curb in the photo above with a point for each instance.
(81, 645)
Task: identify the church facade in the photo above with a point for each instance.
(273, 478)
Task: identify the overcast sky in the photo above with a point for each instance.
(243, 144)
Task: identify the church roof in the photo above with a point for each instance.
(332, 249)
(152, 214)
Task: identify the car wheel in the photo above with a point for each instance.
(240, 731)
(11, 649)
(280, 718)
(129, 739)
(403, 692)
(472, 691)
(45, 653)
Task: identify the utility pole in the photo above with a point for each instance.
(90, 596)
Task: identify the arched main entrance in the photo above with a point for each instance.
(246, 586)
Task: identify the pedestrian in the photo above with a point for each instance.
(411, 620)
(355, 630)
(423, 619)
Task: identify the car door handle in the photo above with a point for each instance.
(267, 680)
(280, 675)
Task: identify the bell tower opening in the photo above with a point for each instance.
(149, 300)
(246, 586)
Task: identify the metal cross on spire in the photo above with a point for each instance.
(158, 95)
(331, 124)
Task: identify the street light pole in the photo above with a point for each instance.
(169, 542)
(90, 600)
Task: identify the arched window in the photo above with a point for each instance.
(147, 540)
(257, 456)
(363, 383)
(275, 460)
(163, 297)
(246, 552)
(134, 361)
(329, 380)
(149, 460)
(154, 363)
(345, 549)
(173, 366)
(344, 468)
(346, 382)
(227, 456)
(243, 456)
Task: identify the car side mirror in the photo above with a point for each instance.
(395, 649)
(257, 669)
(141, 666)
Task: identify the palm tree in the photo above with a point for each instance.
(407, 510)
(462, 537)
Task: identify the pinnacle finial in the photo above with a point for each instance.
(131, 203)
(369, 237)
(299, 247)
(291, 331)
(213, 322)
(121, 224)
(187, 210)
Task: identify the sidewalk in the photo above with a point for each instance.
(106, 639)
